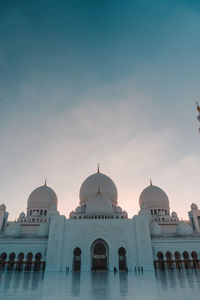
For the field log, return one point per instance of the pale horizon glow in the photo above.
(110, 83)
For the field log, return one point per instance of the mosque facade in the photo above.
(98, 235)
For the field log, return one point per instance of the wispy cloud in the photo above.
(116, 127)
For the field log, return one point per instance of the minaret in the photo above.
(3, 217)
(198, 109)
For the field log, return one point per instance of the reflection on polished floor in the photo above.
(184, 284)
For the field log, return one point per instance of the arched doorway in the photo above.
(178, 262)
(161, 263)
(186, 260)
(2, 261)
(37, 263)
(169, 260)
(195, 260)
(11, 261)
(19, 264)
(77, 259)
(122, 258)
(28, 263)
(99, 253)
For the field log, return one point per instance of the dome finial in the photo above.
(150, 181)
(45, 182)
(98, 191)
(198, 107)
(98, 169)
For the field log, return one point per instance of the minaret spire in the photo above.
(45, 182)
(98, 169)
(150, 181)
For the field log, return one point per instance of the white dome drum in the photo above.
(92, 183)
(42, 197)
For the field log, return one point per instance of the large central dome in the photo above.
(90, 187)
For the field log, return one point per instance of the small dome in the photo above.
(174, 214)
(155, 229)
(71, 215)
(194, 206)
(124, 214)
(92, 183)
(43, 229)
(154, 197)
(118, 209)
(183, 228)
(78, 210)
(42, 197)
(99, 204)
(13, 229)
(2, 207)
(22, 215)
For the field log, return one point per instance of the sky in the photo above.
(111, 82)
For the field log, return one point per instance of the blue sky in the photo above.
(110, 82)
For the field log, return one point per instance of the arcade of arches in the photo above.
(99, 260)
(177, 260)
(19, 262)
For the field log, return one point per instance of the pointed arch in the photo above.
(19, 263)
(2, 261)
(186, 261)
(11, 261)
(28, 264)
(178, 261)
(77, 259)
(99, 255)
(161, 263)
(122, 259)
(37, 263)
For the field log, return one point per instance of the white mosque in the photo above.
(98, 235)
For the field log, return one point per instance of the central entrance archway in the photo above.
(99, 252)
